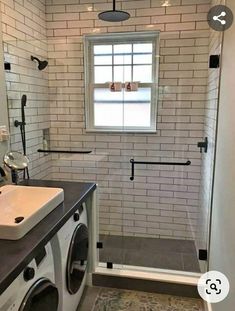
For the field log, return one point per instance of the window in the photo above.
(121, 81)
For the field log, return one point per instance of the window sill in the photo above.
(121, 131)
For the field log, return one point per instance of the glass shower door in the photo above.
(160, 198)
(150, 213)
(111, 196)
(131, 69)
(163, 211)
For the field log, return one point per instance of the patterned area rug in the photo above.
(126, 300)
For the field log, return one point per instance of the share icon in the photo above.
(220, 18)
(217, 18)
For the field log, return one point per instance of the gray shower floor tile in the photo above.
(148, 252)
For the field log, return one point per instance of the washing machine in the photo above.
(34, 289)
(70, 248)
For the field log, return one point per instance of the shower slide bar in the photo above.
(133, 162)
(64, 151)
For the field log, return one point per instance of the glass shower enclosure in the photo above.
(154, 209)
(154, 184)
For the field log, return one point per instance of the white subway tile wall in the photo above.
(163, 201)
(24, 34)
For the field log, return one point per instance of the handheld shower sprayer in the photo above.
(22, 124)
(23, 105)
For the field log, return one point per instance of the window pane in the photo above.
(103, 74)
(122, 48)
(142, 73)
(122, 59)
(122, 73)
(137, 115)
(108, 114)
(103, 60)
(143, 94)
(107, 95)
(116, 60)
(143, 48)
(142, 59)
(102, 49)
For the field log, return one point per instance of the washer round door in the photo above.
(43, 295)
(77, 259)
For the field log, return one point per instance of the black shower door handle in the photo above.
(133, 162)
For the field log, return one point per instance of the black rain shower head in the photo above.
(41, 64)
(114, 15)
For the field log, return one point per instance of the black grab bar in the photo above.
(64, 151)
(133, 162)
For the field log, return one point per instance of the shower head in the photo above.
(41, 64)
(114, 15)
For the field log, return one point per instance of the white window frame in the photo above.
(119, 38)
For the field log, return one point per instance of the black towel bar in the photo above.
(64, 151)
(133, 162)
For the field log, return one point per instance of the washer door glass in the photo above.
(43, 296)
(77, 258)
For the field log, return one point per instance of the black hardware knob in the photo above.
(76, 217)
(29, 274)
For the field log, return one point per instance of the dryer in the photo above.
(34, 289)
(70, 248)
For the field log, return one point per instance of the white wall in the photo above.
(222, 250)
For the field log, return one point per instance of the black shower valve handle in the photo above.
(203, 145)
(18, 123)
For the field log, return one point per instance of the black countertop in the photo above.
(15, 255)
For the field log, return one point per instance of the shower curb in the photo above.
(152, 286)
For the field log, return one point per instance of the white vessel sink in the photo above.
(23, 207)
